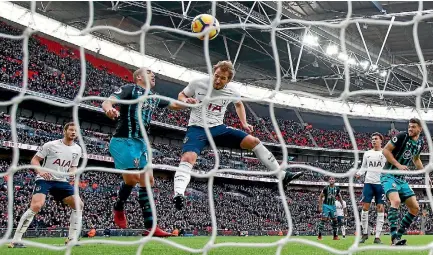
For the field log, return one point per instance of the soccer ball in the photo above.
(202, 21)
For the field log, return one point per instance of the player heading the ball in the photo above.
(128, 147)
(400, 150)
(372, 160)
(61, 156)
(196, 139)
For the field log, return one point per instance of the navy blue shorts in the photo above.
(59, 190)
(196, 139)
(373, 190)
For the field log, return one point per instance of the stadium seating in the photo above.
(54, 69)
(238, 206)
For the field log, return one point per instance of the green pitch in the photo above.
(159, 248)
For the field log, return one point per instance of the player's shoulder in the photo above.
(77, 147)
(52, 143)
(124, 88)
(200, 82)
(231, 87)
(400, 136)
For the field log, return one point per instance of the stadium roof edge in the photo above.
(56, 29)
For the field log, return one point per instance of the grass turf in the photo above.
(160, 248)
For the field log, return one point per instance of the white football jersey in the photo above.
(340, 207)
(59, 157)
(372, 160)
(215, 109)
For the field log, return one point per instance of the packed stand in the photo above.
(238, 207)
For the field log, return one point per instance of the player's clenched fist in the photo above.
(112, 113)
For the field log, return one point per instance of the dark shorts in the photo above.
(196, 139)
(340, 220)
(373, 190)
(59, 190)
(128, 153)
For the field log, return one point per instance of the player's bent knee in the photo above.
(380, 208)
(366, 206)
(249, 142)
(189, 157)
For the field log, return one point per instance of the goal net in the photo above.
(273, 26)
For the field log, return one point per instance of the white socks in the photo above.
(343, 230)
(74, 222)
(364, 222)
(181, 179)
(25, 221)
(266, 157)
(379, 223)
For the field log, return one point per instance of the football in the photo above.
(201, 22)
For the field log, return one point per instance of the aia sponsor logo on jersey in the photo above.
(375, 164)
(62, 163)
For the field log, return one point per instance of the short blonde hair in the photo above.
(225, 66)
(138, 72)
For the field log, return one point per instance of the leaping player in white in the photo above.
(341, 215)
(373, 159)
(196, 139)
(62, 156)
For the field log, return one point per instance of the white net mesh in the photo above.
(345, 95)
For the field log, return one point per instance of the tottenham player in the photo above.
(62, 156)
(327, 207)
(196, 139)
(127, 146)
(341, 209)
(372, 160)
(403, 148)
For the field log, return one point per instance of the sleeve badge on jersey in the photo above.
(394, 139)
(74, 155)
(185, 139)
(118, 91)
(394, 185)
(38, 188)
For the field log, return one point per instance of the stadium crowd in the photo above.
(238, 207)
(54, 69)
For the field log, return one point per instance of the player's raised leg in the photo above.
(264, 155)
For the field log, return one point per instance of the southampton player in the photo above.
(128, 147)
(372, 160)
(327, 207)
(402, 149)
(341, 209)
(196, 139)
(62, 156)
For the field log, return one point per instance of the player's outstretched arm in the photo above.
(183, 97)
(387, 152)
(240, 111)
